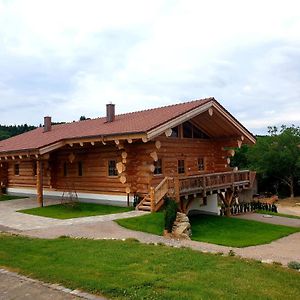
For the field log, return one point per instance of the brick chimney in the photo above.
(110, 112)
(47, 124)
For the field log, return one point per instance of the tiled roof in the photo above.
(135, 122)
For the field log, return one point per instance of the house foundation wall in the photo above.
(210, 208)
(120, 200)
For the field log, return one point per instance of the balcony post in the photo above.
(177, 189)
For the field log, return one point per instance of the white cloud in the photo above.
(69, 58)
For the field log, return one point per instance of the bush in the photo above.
(170, 213)
(294, 265)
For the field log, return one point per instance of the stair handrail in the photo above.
(161, 190)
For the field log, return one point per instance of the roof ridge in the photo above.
(165, 106)
(138, 111)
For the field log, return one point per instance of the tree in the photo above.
(278, 155)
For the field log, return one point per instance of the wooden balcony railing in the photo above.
(212, 182)
(187, 185)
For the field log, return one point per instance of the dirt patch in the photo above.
(289, 206)
(290, 202)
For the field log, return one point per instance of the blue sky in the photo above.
(69, 58)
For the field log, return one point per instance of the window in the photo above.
(112, 169)
(34, 166)
(80, 168)
(201, 164)
(158, 167)
(181, 169)
(17, 169)
(198, 134)
(65, 169)
(187, 129)
(175, 132)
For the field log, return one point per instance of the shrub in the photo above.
(231, 253)
(294, 265)
(170, 213)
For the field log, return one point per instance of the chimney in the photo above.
(110, 112)
(47, 124)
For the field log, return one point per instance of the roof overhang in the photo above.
(213, 104)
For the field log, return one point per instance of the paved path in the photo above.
(289, 210)
(17, 287)
(270, 219)
(9, 216)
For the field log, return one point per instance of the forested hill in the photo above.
(12, 130)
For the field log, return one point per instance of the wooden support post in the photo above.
(152, 199)
(1, 178)
(39, 182)
(176, 188)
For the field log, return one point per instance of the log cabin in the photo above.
(180, 150)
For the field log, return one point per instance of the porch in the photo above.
(189, 187)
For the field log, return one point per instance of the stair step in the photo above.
(147, 208)
(147, 203)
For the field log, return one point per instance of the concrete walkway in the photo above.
(103, 227)
(18, 287)
(9, 216)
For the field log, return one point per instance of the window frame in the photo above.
(158, 167)
(180, 171)
(34, 168)
(203, 164)
(80, 168)
(17, 169)
(65, 169)
(115, 171)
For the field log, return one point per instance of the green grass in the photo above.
(276, 214)
(151, 223)
(216, 230)
(10, 197)
(236, 232)
(130, 270)
(60, 211)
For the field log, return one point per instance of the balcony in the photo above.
(212, 183)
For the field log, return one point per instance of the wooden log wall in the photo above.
(94, 161)
(27, 177)
(3, 175)
(142, 156)
(137, 160)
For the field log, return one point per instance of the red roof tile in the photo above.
(135, 122)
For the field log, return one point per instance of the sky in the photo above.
(68, 59)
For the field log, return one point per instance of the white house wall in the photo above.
(82, 197)
(210, 208)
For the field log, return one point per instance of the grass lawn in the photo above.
(10, 197)
(131, 270)
(60, 211)
(276, 214)
(217, 230)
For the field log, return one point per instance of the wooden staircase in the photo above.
(145, 204)
(153, 201)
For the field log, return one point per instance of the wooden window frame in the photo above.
(161, 167)
(179, 167)
(65, 169)
(17, 169)
(203, 164)
(34, 168)
(80, 168)
(115, 172)
(178, 132)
